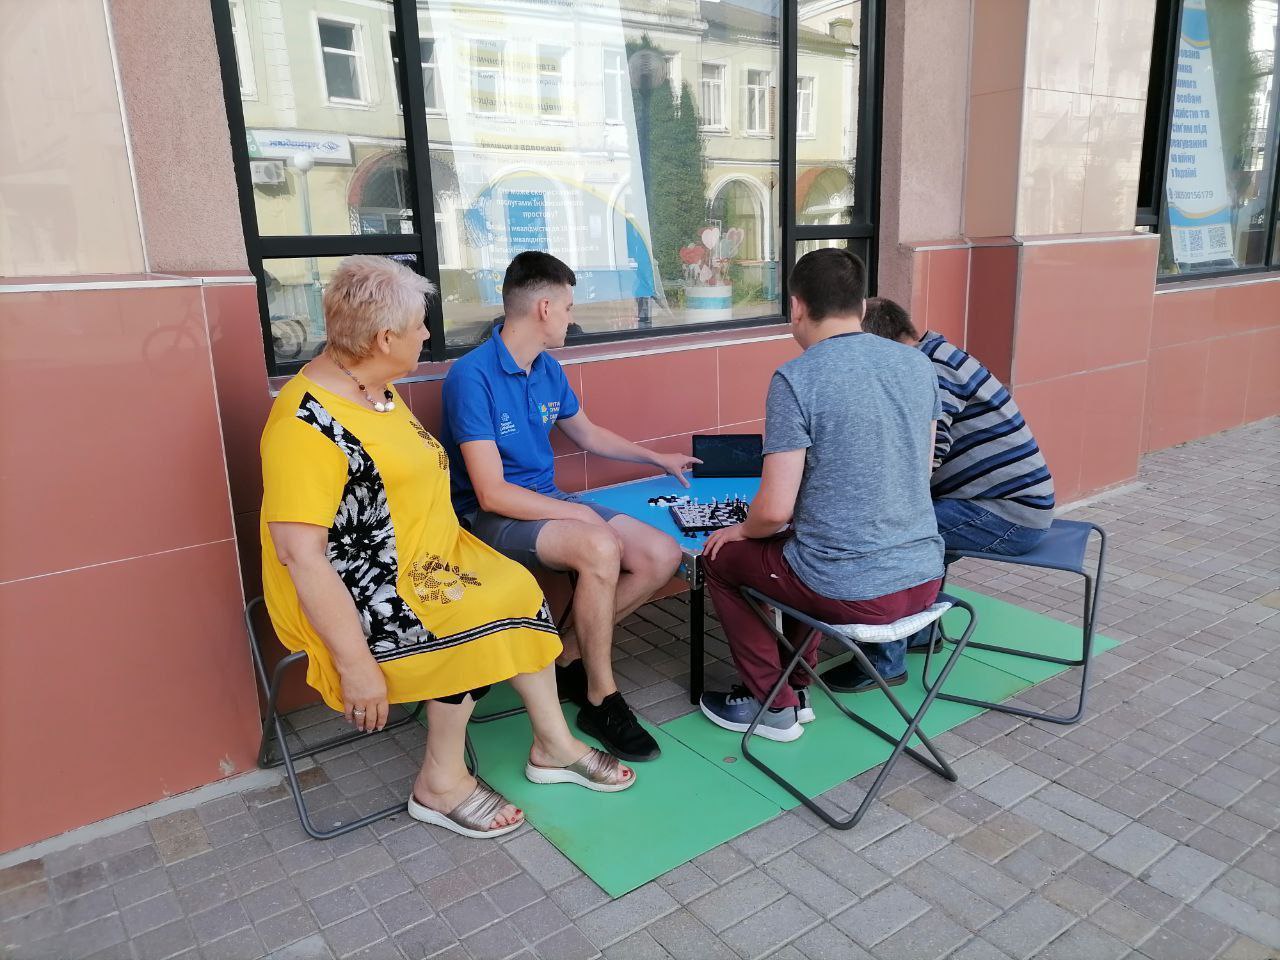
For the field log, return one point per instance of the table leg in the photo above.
(696, 655)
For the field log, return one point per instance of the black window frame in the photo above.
(1155, 146)
(860, 234)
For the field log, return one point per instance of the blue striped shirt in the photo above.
(985, 451)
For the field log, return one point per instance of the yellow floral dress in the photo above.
(442, 612)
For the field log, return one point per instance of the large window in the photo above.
(679, 171)
(759, 84)
(1209, 179)
(711, 96)
(342, 59)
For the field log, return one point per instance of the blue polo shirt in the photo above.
(488, 397)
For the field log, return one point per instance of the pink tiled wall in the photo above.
(1105, 365)
(1080, 356)
(124, 668)
(1215, 360)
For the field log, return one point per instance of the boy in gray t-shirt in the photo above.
(848, 450)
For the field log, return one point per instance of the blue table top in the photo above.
(632, 498)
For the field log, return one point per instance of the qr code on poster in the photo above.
(1194, 241)
(1218, 239)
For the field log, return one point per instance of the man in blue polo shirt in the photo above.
(500, 402)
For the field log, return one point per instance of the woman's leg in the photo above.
(443, 782)
(553, 744)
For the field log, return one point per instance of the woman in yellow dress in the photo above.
(366, 568)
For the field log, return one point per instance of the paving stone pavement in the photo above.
(1150, 830)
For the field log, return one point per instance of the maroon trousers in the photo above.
(758, 655)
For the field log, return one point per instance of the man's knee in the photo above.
(659, 558)
(597, 552)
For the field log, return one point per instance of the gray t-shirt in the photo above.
(860, 406)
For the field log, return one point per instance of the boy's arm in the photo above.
(603, 442)
(775, 503)
(496, 495)
(771, 508)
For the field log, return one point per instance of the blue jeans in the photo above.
(963, 525)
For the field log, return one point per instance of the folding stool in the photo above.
(1063, 548)
(850, 635)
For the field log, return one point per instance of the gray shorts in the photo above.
(518, 539)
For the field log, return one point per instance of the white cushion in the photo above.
(889, 632)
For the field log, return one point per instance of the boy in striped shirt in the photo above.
(991, 488)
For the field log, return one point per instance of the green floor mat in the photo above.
(1012, 626)
(702, 793)
(834, 748)
(680, 807)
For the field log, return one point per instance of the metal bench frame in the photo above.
(275, 750)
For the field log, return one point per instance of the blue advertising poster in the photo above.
(526, 221)
(1200, 206)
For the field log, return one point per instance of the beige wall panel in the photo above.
(67, 203)
(1122, 58)
(991, 174)
(1060, 43)
(1055, 144)
(1112, 165)
(999, 45)
(181, 144)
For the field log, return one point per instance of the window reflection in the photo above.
(827, 94)
(295, 295)
(645, 158)
(1221, 147)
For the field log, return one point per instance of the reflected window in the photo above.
(343, 61)
(380, 195)
(804, 106)
(711, 96)
(1216, 213)
(427, 60)
(486, 76)
(669, 200)
(295, 303)
(672, 61)
(824, 195)
(829, 58)
(616, 85)
(737, 207)
(244, 52)
(551, 80)
(758, 101)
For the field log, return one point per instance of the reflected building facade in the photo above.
(536, 142)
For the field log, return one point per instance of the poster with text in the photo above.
(1200, 206)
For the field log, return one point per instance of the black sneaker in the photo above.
(571, 683)
(924, 646)
(848, 677)
(618, 730)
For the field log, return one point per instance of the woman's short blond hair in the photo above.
(368, 294)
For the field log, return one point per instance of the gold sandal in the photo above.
(471, 817)
(595, 770)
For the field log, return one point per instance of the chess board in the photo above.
(695, 518)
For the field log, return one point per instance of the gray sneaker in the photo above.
(736, 709)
